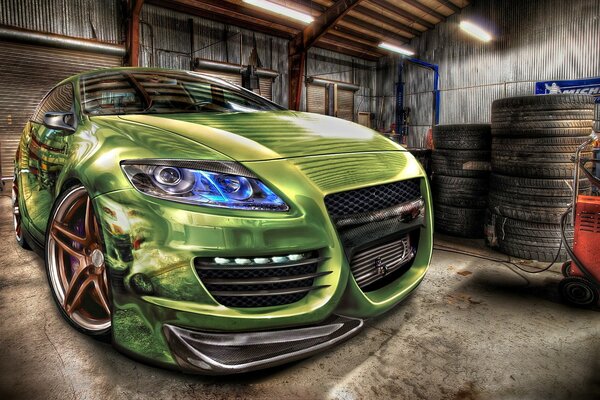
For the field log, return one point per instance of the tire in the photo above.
(512, 228)
(538, 103)
(460, 192)
(520, 121)
(578, 291)
(548, 215)
(533, 169)
(564, 115)
(527, 200)
(535, 187)
(80, 289)
(538, 250)
(536, 133)
(462, 137)
(463, 222)
(540, 144)
(526, 240)
(17, 222)
(534, 157)
(462, 163)
(524, 115)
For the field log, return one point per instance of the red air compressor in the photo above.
(581, 285)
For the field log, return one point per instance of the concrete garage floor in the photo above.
(475, 329)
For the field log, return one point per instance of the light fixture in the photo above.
(396, 49)
(278, 9)
(475, 30)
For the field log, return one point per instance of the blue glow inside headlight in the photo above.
(201, 187)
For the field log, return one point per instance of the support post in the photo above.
(303, 41)
(135, 8)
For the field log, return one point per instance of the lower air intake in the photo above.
(382, 261)
(246, 282)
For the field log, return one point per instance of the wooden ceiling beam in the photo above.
(376, 29)
(333, 36)
(397, 10)
(367, 12)
(425, 9)
(373, 14)
(356, 34)
(222, 12)
(450, 5)
(332, 46)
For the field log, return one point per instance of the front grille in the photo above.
(375, 263)
(260, 285)
(370, 222)
(372, 198)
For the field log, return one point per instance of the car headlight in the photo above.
(205, 183)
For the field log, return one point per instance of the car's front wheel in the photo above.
(75, 263)
(17, 216)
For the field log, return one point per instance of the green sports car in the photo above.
(202, 227)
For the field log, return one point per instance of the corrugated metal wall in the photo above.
(534, 40)
(170, 32)
(325, 64)
(89, 19)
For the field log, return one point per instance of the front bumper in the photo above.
(228, 353)
(161, 239)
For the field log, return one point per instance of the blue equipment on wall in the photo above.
(401, 116)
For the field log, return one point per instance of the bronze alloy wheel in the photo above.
(75, 263)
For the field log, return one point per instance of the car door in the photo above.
(46, 153)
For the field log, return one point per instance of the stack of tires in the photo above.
(461, 167)
(533, 141)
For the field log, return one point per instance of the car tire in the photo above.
(459, 191)
(17, 221)
(462, 163)
(526, 213)
(517, 186)
(459, 221)
(552, 144)
(462, 137)
(75, 267)
(537, 104)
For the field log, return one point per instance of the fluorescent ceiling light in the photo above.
(396, 49)
(476, 31)
(278, 9)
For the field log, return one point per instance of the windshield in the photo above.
(151, 92)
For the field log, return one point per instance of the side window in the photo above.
(59, 99)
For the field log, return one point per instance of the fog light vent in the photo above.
(260, 281)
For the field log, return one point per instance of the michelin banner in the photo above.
(589, 86)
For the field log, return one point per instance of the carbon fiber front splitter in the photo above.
(229, 353)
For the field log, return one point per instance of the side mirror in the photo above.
(62, 121)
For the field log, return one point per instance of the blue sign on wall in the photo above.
(579, 86)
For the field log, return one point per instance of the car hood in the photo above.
(257, 136)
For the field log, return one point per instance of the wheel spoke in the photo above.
(62, 228)
(72, 284)
(98, 285)
(89, 219)
(96, 229)
(71, 306)
(69, 249)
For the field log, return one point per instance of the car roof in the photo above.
(100, 71)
